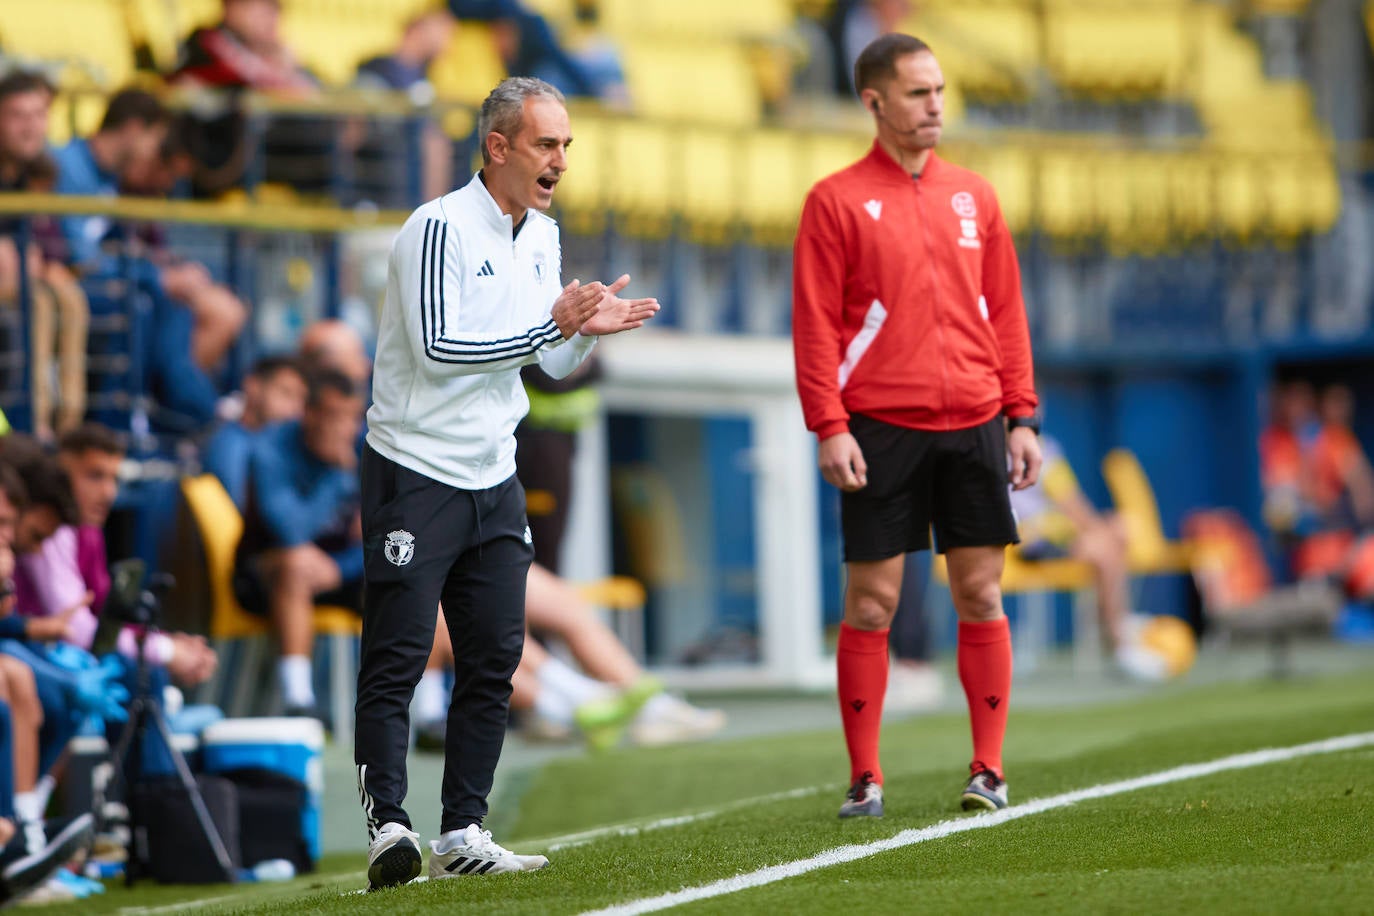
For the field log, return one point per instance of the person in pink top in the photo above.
(68, 574)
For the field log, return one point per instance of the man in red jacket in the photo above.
(914, 369)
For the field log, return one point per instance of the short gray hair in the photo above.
(505, 106)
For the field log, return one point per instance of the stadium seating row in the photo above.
(721, 182)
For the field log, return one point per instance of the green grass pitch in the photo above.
(1294, 836)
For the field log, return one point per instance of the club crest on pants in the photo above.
(400, 547)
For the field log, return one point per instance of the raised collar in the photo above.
(881, 162)
(487, 205)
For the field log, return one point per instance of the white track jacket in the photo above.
(465, 308)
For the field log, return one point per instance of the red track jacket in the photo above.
(907, 301)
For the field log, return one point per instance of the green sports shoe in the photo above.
(603, 721)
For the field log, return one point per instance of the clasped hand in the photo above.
(596, 310)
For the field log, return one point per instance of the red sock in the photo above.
(985, 671)
(861, 658)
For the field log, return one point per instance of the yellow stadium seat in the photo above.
(1149, 551)
(1239, 195)
(584, 188)
(645, 187)
(1189, 177)
(702, 82)
(632, 19)
(985, 49)
(1064, 203)
(332, 46)
(89, 37)
(773, 181)
(1007, 168)
(220, 526)
(710, 182)
(469, 68)
(1137, 49)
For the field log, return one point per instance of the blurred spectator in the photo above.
(854, 25)
(1342, 488)
(68, 578)
(245, 50)
(545, 444)
(387, 151)
(58, 311)
(528, 46)
(332, 343)
(302, 537)
(219, 314)
(610, 695)
(1284, 468)
(133, 129)
(1055, 520)
(131, 148)
(273, 392)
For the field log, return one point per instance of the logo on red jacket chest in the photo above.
(967, 210)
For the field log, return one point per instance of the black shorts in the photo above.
(955, 481)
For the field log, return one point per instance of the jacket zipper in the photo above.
(937, 312)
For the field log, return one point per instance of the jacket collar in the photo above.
(879, 160)
(487, 205)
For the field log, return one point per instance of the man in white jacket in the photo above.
(473, 294)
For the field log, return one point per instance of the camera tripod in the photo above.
(130, 602)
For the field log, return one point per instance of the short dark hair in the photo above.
(91, 437)
(18, 82)
(43, 478)
(132, 105)
(877, 63)
(12, 486)
(321, 381)
(267, 367)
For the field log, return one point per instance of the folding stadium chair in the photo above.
(220, 526)
(1149, 551)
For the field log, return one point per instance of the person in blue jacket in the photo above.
(302, 538)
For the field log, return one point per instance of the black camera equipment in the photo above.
(139, 602)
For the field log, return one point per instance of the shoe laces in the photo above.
(980, 770)
(859, 791)
(480, 842)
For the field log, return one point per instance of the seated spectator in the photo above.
(128, 149)
(218, 311)
(386, 150)
(528, 46)
(68, 577)
(1342, 485)
(58, 311)
(1054, 520)
(133, 130)
(273, 392)
(334, 344)
(302, 538)
(611, 695)
(245, 50)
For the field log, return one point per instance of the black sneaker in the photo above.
(864, 798)
(986, 791)
(22, 870)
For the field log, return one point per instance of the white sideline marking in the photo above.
(175, 907)
(573, 840)
(842, 854)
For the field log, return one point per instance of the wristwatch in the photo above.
(1031, 422)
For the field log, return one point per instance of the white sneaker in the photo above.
(667, 719)
(476, 853)
(393, 857)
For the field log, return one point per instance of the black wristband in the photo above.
(1031, 422)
